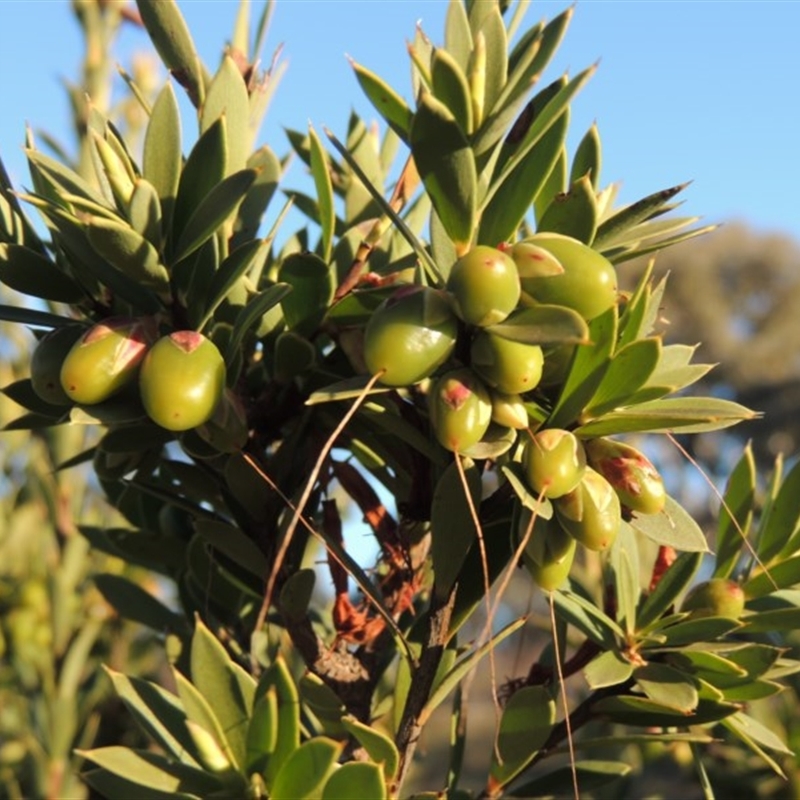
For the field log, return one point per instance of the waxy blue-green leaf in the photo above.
(446, 164)
(573, 213)
(305, 771)
(320, 172)
(452, 527)
(387, 102)
(170, 35)
(29, 272)
(449, 85)
(629, 369)
(673, 527)
(779, 531)
(502, 216)
(668, 686)
(129, 252)
(491, 27)
(163, 156)
(588, 158)
(356, 781)
(227, 98)
(205, 167)
(672, 583)
(66, 180)
(528, 719)
(213, 210)
(682, 414)
(735, 514)
(457, 34)
(150, 772)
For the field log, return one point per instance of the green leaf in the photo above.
(735, 514)
(311, 280)
(667, 686)
(587, 159)
(629, 369)
(158, 713)
(588, 618)
(320, 172)
(750, 729)
(268, 172)
(279, 677)
(592, 775)
(502, 216)
(170, 35)
(251, 315)
(152, 771)
(22, 393)
(205, 167)
(129, 252)
(779, 619)
(702, 629)
(452, 527)
(144, 212)
(641, 711)
(213, 210)
(262, 732)
(346, 389)
(607, 669)
(543, 324)
(296, 594)
(625, 567)
(36, 319)
(682, 414)
(677, 577)
(528, 718)
(111, 785)
(446, 164)
(66, 180)
(227, 98)
(573, 213)
(673, 527)
(778, 576)
(221, 682)
(163, 159)
(779, 530)
(449, 85)
(386, 101)
(457, 34)
(236, 545)
(27, 271)
(356, 781)
(138, 605)
(380, 748)
(306, 770)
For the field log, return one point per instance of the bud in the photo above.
(104, 359)
(634, 478)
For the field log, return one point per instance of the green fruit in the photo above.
(549, 553)
(509, 411)
(634, 478)
(409, 335)
(587, 284)
(46, 363)
(718, 597)
(508, 366)
(104, 360)
(460, 409)
(485, 286)
(181, 380)
(591, 512)
(554, 462)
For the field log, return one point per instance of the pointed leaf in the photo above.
(380, 748)
(32, 317)
(288, 737)
(592, 775)
(587, 158)
(386, 101)
(27, 271)
(311, 280)
(262, 732)
(673, 527)
(732, 530)
(163, 160)
(356, 781)
(320, 172)
(251, 314)
(632, 710)
(607, 669)
(227, 98)
(138, 605)
(667, 686)
(573, 213)
(452, 528)
(588, 618)
(446, 165)
(306, 770)
(672, 583)
(449, 84)
(781, 526)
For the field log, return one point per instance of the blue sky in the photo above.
(701, 91)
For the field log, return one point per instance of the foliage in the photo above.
(346, 364)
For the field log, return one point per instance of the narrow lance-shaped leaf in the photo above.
(573, 213)
(162, 160)
(322, 181)
(735, 514)
(386, 101)
(227, 99)
(588, 158)
(29, 272)
(446, 165)
(780, 527)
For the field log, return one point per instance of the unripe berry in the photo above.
(409, 335)
(485, 286)
(718, 597)
(104, 360)
(591, 512)
(181, 380)
(460, 409)
(549, 553)
(509, 366)
(554, 462)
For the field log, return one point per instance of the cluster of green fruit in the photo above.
(419, 329)
(592, 485)
(181, 376)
